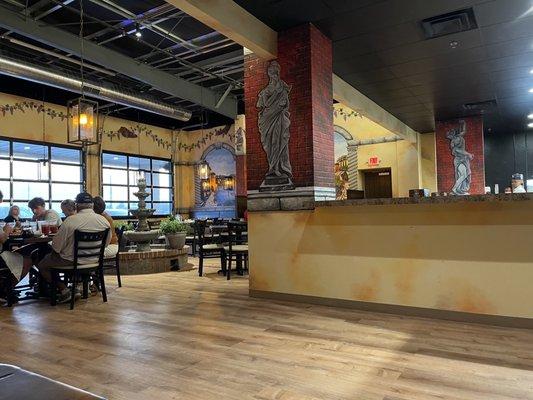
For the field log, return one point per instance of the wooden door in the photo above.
(378, 184)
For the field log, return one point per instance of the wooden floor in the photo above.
(178, 336)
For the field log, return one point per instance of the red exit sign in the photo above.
(373, 161)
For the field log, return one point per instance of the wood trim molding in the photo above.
(458, 316)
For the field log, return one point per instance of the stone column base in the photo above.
(302, 198)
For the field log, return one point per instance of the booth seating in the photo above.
(17, 383)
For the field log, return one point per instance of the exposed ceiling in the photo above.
(170, 42)
(380, 48)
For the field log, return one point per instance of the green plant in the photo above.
(171, 226)
(127, 226)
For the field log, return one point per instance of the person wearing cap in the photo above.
(63, 243)
(517, 183)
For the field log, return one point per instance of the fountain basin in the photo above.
(141, 239)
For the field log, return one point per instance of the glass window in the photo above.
(5, 171)
(39, 170)
(161, 179)
(114, 160)
(4, 148)
(5, 187)
(65, 155)
(120, 175)
(62, 191)
(30, 151)
(30, 170)
(163, 208)
(28, 190)
(114, 176)
(66, 173)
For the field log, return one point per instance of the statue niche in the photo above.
(461, 159)
(274, 122)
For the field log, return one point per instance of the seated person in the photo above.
(99, 208)
(68, 207)
(63, 243)
(13, 215)
(38, 206)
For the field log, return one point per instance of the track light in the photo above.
(138, 32)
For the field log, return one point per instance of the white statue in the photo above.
(461, 161)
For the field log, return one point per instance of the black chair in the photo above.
(87, 245)
(237, 248)
(114, 262)
(207, 250)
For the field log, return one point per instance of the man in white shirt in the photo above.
(85, 220)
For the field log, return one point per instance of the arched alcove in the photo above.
(215, 190)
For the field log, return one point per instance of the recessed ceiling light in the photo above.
(530, 116)
(138, 34)
(530, 125)
(454, 44)
(531, 90)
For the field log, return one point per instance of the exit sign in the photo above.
(373, 161)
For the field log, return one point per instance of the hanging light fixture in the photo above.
(82, 125)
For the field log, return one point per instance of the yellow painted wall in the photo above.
(428, 161)
(30, 125)
(401, 157)
(470, 257)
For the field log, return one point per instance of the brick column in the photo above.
(305, 58)
(473, 140)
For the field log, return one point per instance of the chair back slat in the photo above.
(89, 246)
(236, 232)
(199, 229)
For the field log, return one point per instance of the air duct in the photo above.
(39, 74)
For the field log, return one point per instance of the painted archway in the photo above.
(215, 189)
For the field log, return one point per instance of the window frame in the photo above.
(49, 181)
(132, 200)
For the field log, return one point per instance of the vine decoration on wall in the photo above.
(24, 106)
(123, 132)
(341, 112)
(207, 136)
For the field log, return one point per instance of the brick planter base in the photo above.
(150, 262)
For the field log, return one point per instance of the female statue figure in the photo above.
(274, 122)
(461, 161)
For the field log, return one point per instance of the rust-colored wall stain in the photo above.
(404, 283)
(468, 298)
(367, 290)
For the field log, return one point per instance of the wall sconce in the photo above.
(229, 183)
(203, 170)
(82, 121)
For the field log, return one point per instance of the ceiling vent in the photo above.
(481, 107)
(446, 24)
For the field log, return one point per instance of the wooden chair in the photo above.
(87, 245)
(114, 262)
(237, 248)
(207, 250)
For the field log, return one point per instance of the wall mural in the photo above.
(274, 121)
(461, 159)
(341, 166)
(216, 197)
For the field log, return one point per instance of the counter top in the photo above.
(428, 200)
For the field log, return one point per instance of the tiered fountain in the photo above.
(142, 236)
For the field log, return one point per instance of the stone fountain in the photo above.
(142, 236)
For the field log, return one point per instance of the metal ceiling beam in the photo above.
(102, 56)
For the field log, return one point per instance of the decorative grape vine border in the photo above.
(136, 130)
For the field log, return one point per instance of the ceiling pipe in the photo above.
(39, 74)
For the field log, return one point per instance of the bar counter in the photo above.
(456, 257)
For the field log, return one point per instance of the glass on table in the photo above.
(44, 227)
(53, 229)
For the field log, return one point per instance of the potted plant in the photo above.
(174, 231)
